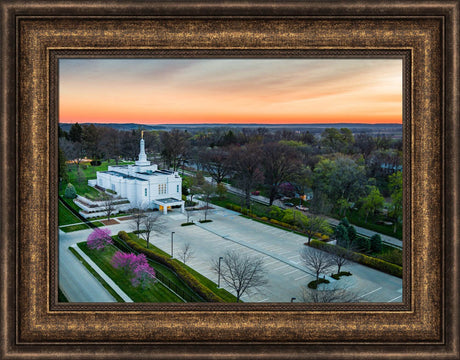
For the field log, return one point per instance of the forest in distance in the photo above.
(353, 172)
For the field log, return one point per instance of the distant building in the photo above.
(142, 184)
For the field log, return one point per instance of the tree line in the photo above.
(342, 170)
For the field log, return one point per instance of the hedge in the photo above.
(189, 279)
(374, 263)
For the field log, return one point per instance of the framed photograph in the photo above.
(68, 66)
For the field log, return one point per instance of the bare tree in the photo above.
(186, 252)
(138, 215)
(175, 147)
(340, 257)
(188, 213)
(148, 223)
(241, 272)
(208, 190)
(280, 163)
(245, 162)
(316, 260)
(216, 162)
(328, 296)
(109, 206)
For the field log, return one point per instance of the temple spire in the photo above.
(142, 156)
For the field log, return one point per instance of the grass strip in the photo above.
(76, 227)
(203, 280)
(66, 217)
(156, 293)
(97, 276)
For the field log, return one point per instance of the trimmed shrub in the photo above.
(314, 284)
(187, 224)
(70, 192)
(264, 218)
(375, 263)
(188, 278)
(363, 244)
(376, 243)
(205, 221)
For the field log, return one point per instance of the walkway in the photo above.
(102, 274)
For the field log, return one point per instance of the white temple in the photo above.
(142, 184)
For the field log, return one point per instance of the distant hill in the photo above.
(313, 128)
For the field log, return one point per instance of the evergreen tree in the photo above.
(70, 192)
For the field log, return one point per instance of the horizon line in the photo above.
(239, 124)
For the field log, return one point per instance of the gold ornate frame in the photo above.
(35, 35)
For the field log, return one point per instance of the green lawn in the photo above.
(71, 228)
(157, 293)
(66, 217)
(356, 219)
(224, 294)
(256, 208)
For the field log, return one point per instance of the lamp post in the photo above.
(218, 273)
(172, 244)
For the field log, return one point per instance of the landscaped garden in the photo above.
(103, 259)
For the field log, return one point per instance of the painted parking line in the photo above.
(285, 252)
(397, 297)
(290, 272)
(272, 262)
(370, 292)
(281, 267)
(301, 277)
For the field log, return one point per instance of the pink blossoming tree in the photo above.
(136, 266)
(144, 275)
(99, 239)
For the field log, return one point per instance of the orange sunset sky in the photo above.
(270, 91)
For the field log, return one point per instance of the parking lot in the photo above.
(279, 248)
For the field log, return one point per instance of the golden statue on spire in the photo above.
(142, 134)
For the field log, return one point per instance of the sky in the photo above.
(262, 91)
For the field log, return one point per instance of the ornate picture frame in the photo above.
(35, 35)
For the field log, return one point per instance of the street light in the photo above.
(292, 299)
(172, 242)
(218, 277)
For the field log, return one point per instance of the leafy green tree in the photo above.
(341, 179)
(363, 244)
(343, 206)
(338, 140)
(75, 133)
(312, 225)
(276, 212)
(341, 234)
(372, 202)
(376, 243)
(221, 190)
(70, 192)
(396, 190)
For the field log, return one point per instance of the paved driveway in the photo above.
(279, 249)
(229, 231)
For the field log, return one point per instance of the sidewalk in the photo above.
(102, 274)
